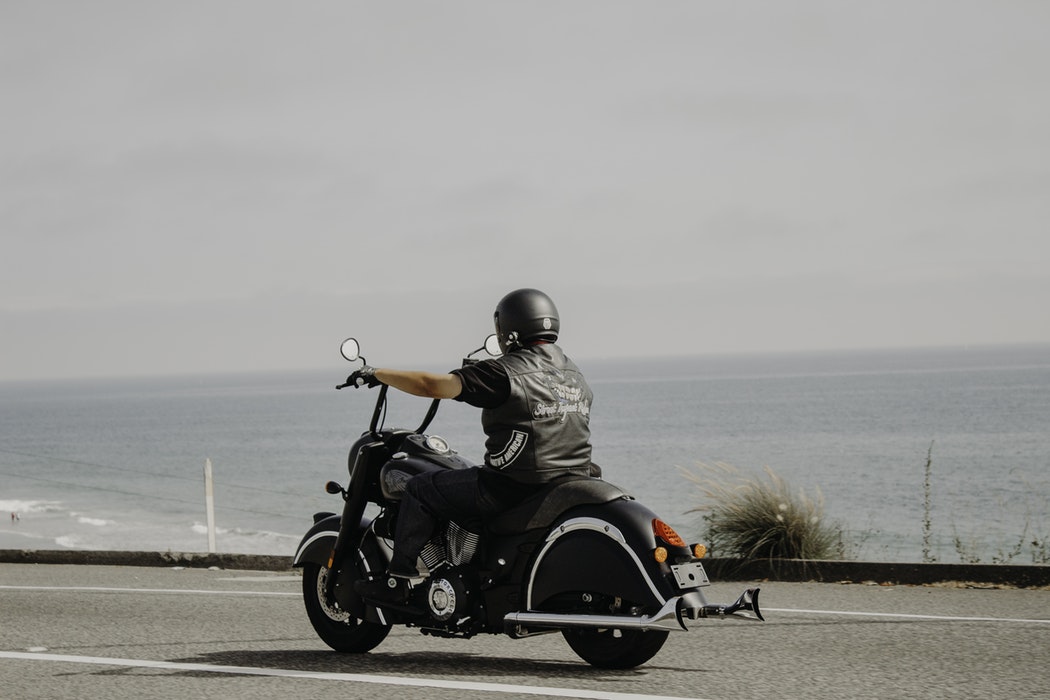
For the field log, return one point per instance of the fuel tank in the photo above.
(418, 454)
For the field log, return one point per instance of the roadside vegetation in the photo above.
(763, 517)
(749, 517)
(1029, 548)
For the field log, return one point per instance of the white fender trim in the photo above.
(594, 525)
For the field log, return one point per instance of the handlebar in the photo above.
(431, 412)
(380, 409)
(351, 350)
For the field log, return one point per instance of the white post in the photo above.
(209, 502)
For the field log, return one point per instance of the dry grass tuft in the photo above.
(750, 518)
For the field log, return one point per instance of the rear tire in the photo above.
(338, 628)
(610, 648)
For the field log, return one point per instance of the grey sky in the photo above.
(210, 186)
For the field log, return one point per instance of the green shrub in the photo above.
(748, 518)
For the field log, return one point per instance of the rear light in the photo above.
(666, 533)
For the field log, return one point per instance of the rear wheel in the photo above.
(607, 647)
(612, 648)
(338, 628)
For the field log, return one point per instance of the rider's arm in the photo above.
(426, 384)
(485, 384)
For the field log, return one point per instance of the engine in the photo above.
(449, 601)
(454, 547)
(447, 594)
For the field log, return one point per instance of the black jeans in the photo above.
(432, 498)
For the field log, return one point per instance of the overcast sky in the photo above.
(212, 186)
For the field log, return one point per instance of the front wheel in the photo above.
(612, 648)
(338, 628)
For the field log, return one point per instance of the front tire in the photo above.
(612, 648)
(338, 628)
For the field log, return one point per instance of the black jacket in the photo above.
(542, 431)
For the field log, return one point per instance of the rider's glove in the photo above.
(366, 376)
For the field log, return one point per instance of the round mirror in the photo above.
(492, 346)
(350, 349)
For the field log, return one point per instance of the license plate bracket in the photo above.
(690, 575)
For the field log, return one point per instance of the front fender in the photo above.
(366, 555)
(603, 549)
(316, 545)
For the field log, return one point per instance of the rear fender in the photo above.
(603, 549)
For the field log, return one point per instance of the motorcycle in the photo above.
(582, 557)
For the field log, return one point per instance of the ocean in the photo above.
(118, 464)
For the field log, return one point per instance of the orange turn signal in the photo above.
(660, 555)
(666, 533)
(699, 550)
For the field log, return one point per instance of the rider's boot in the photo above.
(390, 590)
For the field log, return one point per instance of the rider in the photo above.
(535, 413)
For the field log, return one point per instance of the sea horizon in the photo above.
(115, 463)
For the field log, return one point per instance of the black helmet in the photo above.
(525, 314)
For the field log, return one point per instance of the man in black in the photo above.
(535, 413)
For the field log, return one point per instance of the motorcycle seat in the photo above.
(542, 509)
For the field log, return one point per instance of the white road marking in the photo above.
(165, 591)
(948, 618)
(345, 677)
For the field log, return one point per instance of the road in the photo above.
(128, 632)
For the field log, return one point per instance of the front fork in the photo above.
(348, 540)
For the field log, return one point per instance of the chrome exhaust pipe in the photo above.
(522, 624)
(671, 617)
(746, 606)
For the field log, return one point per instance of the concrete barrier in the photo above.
(253, 562)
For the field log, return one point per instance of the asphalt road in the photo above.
(128, 632)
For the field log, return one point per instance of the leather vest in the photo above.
(542, 431)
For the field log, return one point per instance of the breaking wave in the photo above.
(30, 507)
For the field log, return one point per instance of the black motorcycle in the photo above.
(581, 557)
